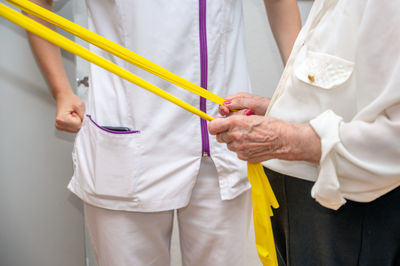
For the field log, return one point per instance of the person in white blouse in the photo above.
(331, 132)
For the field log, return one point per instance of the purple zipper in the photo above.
(203, 73)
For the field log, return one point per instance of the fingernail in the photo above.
(249, 112)
(223, 111)
(218, 117)
(227, 102)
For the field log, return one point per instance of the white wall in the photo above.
(264, 62)
(41, 222)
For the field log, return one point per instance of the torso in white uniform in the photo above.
(155, 169)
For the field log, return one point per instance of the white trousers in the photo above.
(212, 232)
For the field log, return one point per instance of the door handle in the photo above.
(84, 81)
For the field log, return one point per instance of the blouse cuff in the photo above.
(326, 189)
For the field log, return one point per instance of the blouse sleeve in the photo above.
(361, 158)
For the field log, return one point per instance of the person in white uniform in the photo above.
(137, 158)
(332, 133)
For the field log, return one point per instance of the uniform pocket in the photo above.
(109, 159)
(323, 70)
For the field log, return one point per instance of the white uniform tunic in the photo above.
(154, 166)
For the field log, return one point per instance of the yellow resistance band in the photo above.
(114, 49)
(261, 189)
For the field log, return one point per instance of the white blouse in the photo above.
(343, 77)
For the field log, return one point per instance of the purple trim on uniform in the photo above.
(203, 73)
(112, 131)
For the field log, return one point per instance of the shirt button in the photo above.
(311, 77)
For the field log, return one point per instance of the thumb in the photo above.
(218, 125)
(79, 109)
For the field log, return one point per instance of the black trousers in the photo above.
(307, 234)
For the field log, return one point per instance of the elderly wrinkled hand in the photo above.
(244, 104)
(259, 138)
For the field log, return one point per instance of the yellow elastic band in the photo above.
(114, 49)
(263, 200)
(59, 40)
(263, 196)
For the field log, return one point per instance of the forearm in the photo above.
(305, 144)
(49, 57)
(285, 22)
(259, 138)
(285, 141)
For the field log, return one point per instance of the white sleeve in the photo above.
(361, 158)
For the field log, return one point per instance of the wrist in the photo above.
(62, 94)
(303, 143)
(311, 144)
(267, 100)
(261, 106)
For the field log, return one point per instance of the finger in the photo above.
(242, 112)
(261, 155)
(220, 137)
(259, 159)
(65, 128)
(80, 110)
(223, 110)
(241, 156)
(231, 146)
(224, 137)
(249, 112)
(237, 104)
(68, 122)
(237, 95)
(219, 125)
(251, 159)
